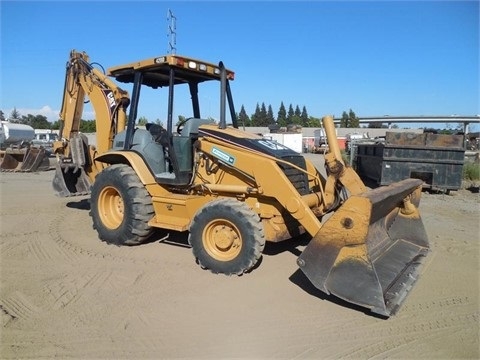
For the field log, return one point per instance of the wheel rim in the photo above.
(111, 207)
(222, 240)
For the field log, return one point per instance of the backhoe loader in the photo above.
(230, 189)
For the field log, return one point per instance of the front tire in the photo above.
(121, 207)
(227, 237)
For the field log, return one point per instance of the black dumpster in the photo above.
(436, 159)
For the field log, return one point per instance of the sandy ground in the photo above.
(65, 294)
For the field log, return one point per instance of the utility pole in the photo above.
(172, 32)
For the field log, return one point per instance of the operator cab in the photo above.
(170, 155)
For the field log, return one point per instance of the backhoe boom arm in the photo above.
(108, 100)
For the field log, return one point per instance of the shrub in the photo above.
(471, 171)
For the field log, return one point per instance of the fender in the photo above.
(130, 158)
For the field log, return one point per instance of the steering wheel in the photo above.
(181, 124)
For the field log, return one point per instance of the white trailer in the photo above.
(290, 140)
(321, 137)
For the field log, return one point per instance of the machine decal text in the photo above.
(223, 156)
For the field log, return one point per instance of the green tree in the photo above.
(256, 116)
(263, 115)
(36, 121)
(259, 118)
(349, 120)
(159, 122)
(297, 111)
(2, 116)
(314, 122)
(270, 117)
(304, 117)
(354, 121)
(142, 121)
(296, 117)
(243, 118)
(14, 116)
(56, 125)
(88, 126)
(282, 115)
(290, 114)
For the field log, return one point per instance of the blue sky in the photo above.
(375, 57)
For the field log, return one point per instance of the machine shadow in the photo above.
(299, 279)
(291, 245)
(170, 237)
(295, 247)
(83, 204)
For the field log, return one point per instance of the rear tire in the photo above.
(121, 207)
(227, 237)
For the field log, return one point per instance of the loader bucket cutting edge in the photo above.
(70, 181)
(370, 252)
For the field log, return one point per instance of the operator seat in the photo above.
(191, 127)
(156, 130)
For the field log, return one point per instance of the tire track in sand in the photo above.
(71, 288)
(18, 307)
(417, 323)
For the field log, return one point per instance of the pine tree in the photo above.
(349, 120)
(282, 115)
(297, 111)
(14, 116)
(296, 119)
(256, 116)
(304, 116)
(354, 121)
(344, 120)
(243, 118)
(290, 114)
(263, 115)
(270, 117)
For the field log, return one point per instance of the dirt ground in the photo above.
(65, 294)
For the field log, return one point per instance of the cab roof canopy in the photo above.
(156, 71)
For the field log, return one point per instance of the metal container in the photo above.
(436, 159)
(11, 133)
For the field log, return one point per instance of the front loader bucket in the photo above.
(70, 181)
(35, 159)
(25, 160)
(11, 161)
(371, 250)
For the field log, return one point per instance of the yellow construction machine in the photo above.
(230, 189)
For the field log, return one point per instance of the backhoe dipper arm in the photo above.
(108, 100)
